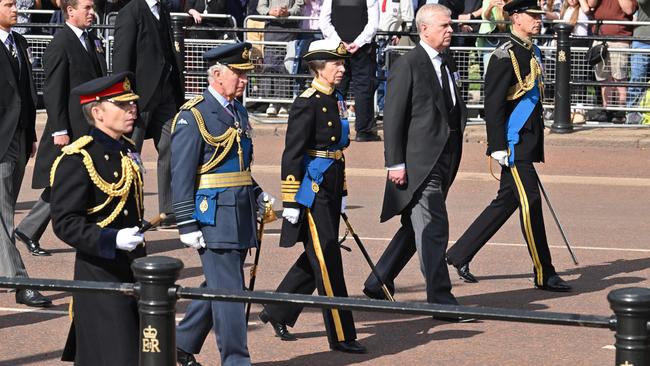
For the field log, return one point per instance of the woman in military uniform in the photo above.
(97, 209)
(313, 195)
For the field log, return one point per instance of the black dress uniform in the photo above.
(513, 115)
(96, 191)
(313, 180)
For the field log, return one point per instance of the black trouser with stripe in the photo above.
(320, 266)
(519, 188)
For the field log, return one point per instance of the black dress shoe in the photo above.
(377, 295)
(280, 330)
(465, 274)
(367, 136)
(185, 359)
(348, 347)
(555, 283)
(32, 245)
(454, 319)
(32, 298)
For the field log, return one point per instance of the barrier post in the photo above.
(562, 119)
(178, 35)
(632, 309)
(155, 285)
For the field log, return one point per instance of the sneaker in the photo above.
(633, 118)
(283, 110)
(618, 117)
(271, 111)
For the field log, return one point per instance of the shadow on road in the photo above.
(386, 338)
(37, 358)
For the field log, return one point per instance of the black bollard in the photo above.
(178, 34)
(156, 289)
(632, 309)
(562, 119)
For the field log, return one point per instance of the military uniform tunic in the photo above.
(106, 327)
(213, 191)
(513, 72)
(315, 130)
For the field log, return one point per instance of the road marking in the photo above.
(515, 245)
(609, 346)
(464, 176)
(38, 311)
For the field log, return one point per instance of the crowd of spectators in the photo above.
(397, 16)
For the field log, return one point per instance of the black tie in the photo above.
(445, 85)
(90, 48)
(233, 111)
(88, 42)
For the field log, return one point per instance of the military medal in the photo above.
(135, 156)
(343, 109)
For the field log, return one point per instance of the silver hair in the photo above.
(87, 110)
(426, 14)
(216, 67)
(315, 66)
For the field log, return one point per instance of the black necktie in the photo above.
(445, 85)
(15, 62)
(233, 111)
(88, 42)
(90, 48)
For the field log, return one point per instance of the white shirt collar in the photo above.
(4, 35)
(151, 3)
(78, 32)
(220, 98)
(430, 51)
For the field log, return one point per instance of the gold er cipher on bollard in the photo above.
(269, 216)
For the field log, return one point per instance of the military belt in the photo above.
(224, 180)
(327, 154)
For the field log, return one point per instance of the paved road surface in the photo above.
(601, 193)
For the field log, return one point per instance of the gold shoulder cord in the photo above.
(121, 189)
(222, 144)
(522, 87)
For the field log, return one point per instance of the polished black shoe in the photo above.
(348, 347)
(32, 245)
(32, 298)
(556, 284)
(185, 359)
(465, 274)
(280, 330)
(454, 319)
(377, 295)
(367, 137)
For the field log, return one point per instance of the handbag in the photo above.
(597, 53)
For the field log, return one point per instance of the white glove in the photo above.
(262, 200)
(343, 204)
(129, 238)
(193, 239)
(501, 157)
(291, 214)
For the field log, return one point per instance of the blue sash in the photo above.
(316, 167)
(521, 113)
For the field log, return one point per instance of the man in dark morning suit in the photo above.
(18, 142)
(73, 57)
(514, 92)
(423, 146)
(144, 46)
(216, 201)
(97, 208)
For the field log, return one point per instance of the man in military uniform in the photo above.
(215, 201)
(97, 209)
(515, 129)
(313, 196)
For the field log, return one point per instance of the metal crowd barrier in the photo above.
(273, 83)
(157, 293)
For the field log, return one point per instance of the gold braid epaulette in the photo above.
(222, 143)
(121, 189)
(522, 87)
